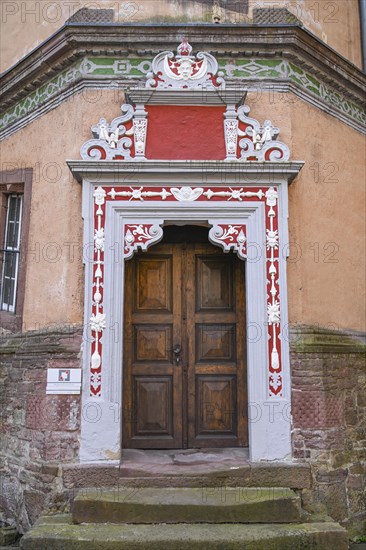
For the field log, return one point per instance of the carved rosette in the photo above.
(229, 237)
(140, 236)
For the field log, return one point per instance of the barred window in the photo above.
(11, 252)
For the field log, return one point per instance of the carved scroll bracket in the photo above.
(141, 235)
(229, 236)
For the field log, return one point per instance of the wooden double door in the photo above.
(184, 382)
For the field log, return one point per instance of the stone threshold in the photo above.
(187, 468)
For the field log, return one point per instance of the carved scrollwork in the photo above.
(140, 236)
(184, 70)
(229, 236)
(110, 140)
(259, 142)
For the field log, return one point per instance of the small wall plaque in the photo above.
(63, 381)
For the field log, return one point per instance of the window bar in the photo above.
(11, 254)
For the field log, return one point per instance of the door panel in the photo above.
(153, 420)
(152, 393)
(214, 284)
(217, 409)
(153, 291)
(192, 295)
(215, 343)
(216, 405)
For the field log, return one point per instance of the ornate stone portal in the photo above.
(235, 181)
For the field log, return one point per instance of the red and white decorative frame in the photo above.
(249, 219)
(230, 236)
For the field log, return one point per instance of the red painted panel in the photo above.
(185, 133)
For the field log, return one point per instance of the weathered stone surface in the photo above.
(188, 505)
(63, 536)
(295, 476)
(40, 434)
(8, 535)
(328, 389)
(38, 431)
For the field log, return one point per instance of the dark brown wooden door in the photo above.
(184, 349)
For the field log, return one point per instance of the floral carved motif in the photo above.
(140, 236)
(229, 237)
(97, 320)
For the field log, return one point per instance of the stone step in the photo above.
(188, 505)
(55, 533)
(295, 476)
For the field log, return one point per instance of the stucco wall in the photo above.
(54, 284)
(326, 205)
(326, 266)
(27, 23)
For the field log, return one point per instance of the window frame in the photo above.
(17, 181)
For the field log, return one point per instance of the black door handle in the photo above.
(177, 351)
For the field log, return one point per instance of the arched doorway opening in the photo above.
(184, 369)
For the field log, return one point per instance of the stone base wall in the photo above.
(329, 420)
(39, 433)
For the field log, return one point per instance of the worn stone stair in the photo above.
(188, 505)
(212, 518)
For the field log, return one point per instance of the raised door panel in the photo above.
(215, 343)
(216, 406)
(214, 284)
(153, 401)
(153, 343)
(153, 288)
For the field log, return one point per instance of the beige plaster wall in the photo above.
(54, 284)
(327, 201)
(327, 206)
(26, 23)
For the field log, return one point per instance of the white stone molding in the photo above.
(183, 70)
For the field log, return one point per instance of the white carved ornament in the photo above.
(113, 141)
(141, 236)
(259, 142)
(125, 138)
(229, 236)
(185, 71)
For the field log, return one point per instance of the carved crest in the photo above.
(184, 70)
